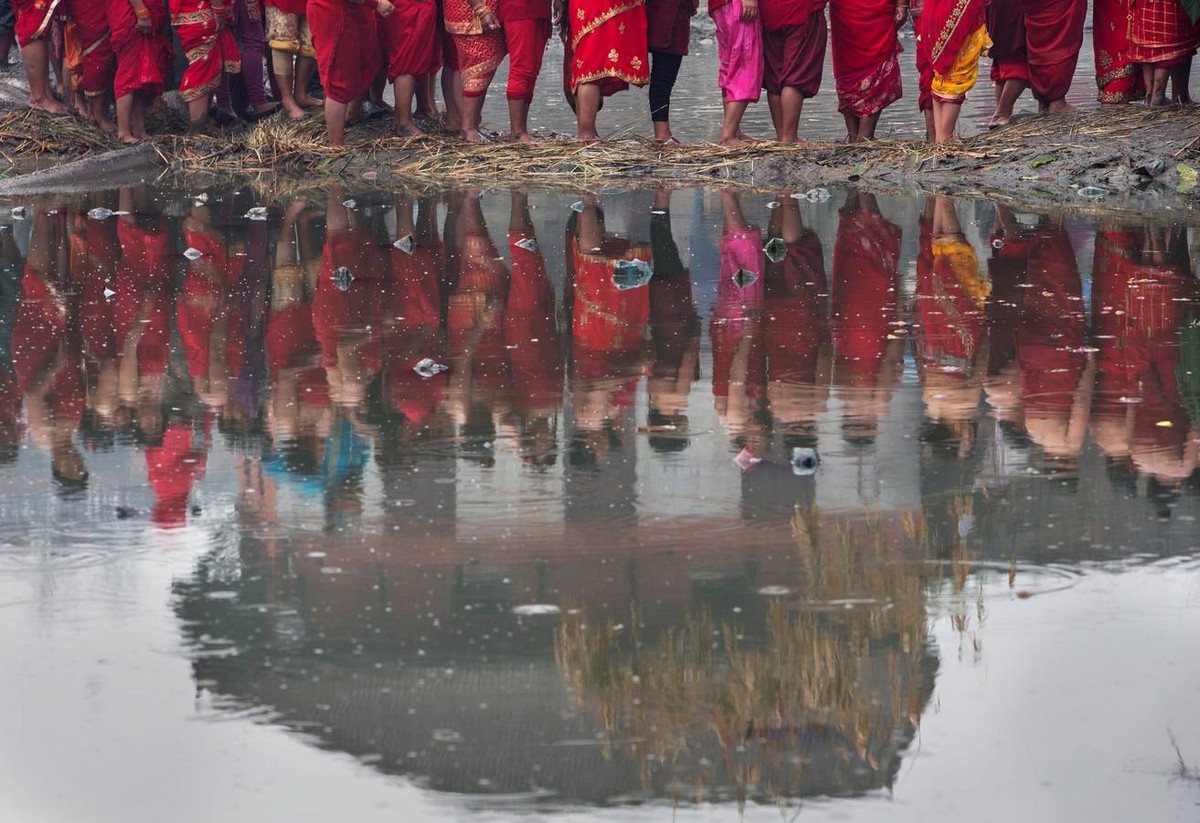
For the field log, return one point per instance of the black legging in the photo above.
(664, 68)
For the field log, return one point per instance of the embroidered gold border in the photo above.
(633, 80)
(947, 30)
(47, 20)
(596, 23)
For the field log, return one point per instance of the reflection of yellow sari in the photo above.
(960, 78)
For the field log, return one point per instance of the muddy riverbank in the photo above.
(1128, 160)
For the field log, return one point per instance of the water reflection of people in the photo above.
(1056, 369)
(950, 321)
(1143, 290)
(674, 335)
(867, 343)
(736, 329)
(533, 341)
(608, 329)
(47, 349)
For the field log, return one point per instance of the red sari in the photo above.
(346, 39)
(410, 39)
(609, 44)
(210, 52)
(34, 18)
(866, 261)
(1054, 35)
(1117, 76)
(99, 62)
(142, 60)
(480, 52)
(866, 55)
(1160, 32)
(1006, 27)
(946, 25)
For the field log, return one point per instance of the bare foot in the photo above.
(107, 126)
(589, 137)
(473, 136)
(128, 139)
(294, 111)
(306, 102)
(48, 104)
(733, 142)
(410, 131)
(997, 121)
(524, 137)
(1060, 107)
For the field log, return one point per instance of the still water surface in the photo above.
(860, 508)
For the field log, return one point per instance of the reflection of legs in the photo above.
(587, 106)
(731, 208)
(945, 218)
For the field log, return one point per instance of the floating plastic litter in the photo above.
(631, 274)
(775, 249)
(527, 243)
(342, 278)
(192, 253)
(427, 367)
(744, 277)
(405, 244)
(805, 461)
(100, 213)
(257, 213)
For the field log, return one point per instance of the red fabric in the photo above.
(782, 14)
(526, 48)
(290, 336)
(531, 331)
(289, 6)
(142, 60)
(140, 303)
(511, 10)
(1006, 27)
(338, 315)
(99, 62)
(95, 319)
(1053, 326)
(609, 324)
(1118, 78)
(34, 19)
(479, 56)
(1054, 35)
(866, 55)
(410, 38)
(1160, 32)
(866, 259)
(482, 283)
(346, 40)
(602, 30)
(794, 55)
(38, 335)
(669, 24)
(173, 468)
(924, 65)
(950, 322)
(796, 300)
(210, 53)
(946, 24)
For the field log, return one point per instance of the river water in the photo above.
(726, 506)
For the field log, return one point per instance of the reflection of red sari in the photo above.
(866, 55)
(95, 320)
(140, 303)
(796, 302)
(608, 44)
(346, 40)
(414, 315)
(355, 313)
(203, 305)
(210, 53)
(142, 60)
(531, 332)
(866, 259)
(1117, 76)
(609, 324)
(173, 468)
(39, 332)
(1140, 309)
(474, 310)
(34, 18)
(1054, 34)
(1053, 326)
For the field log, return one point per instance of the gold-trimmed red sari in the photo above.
(210, 53)
(609, 44)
